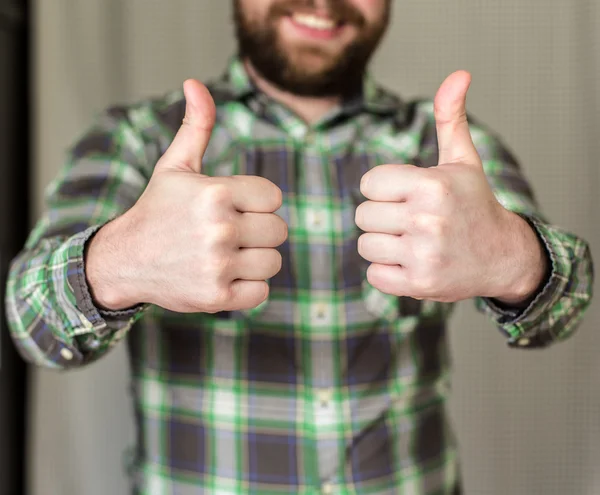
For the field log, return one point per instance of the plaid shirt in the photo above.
(330, 386)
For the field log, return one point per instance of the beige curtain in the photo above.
(529, 422)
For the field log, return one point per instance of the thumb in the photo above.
(190, 142)
(454, 138)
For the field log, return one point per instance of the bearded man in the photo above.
(283, 263)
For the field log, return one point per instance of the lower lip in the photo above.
(321, 34)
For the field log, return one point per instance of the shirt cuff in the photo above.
(519, 325)
(81, 313)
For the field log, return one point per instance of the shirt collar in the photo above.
(373, 98)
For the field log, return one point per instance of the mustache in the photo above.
(340, 11)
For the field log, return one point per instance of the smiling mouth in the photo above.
(314, 21)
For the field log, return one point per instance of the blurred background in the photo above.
(528, 422)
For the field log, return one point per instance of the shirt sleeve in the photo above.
(52, 317)
(557, 309)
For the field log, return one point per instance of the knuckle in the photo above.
(439, 226)
(217, 194)
(216, 266)
(438, 188)
(435, 260)
(435, 225)
(425, 283)
(432, 259)
(221, 233)
(218, 299)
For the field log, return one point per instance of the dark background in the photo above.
(14, 216)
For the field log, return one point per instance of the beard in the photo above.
(293, 69)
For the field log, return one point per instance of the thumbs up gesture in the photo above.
(191, 243)
(439, 233)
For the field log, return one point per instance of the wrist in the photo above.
(109, 267)
(525, 265)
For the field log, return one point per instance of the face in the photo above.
(311, 47)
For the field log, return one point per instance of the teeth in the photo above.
(314, 22)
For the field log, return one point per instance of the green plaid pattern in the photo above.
(330, 386)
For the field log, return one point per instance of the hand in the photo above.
(191, 243)
(439, 233)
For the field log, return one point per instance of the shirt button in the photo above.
(523, 342)
(317, 219)
(326, 489)
(66, 354)
(321, 311)
(309, 138)
(325, 396)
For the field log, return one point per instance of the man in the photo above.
(281, 265)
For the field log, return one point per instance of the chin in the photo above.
(312, 57)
